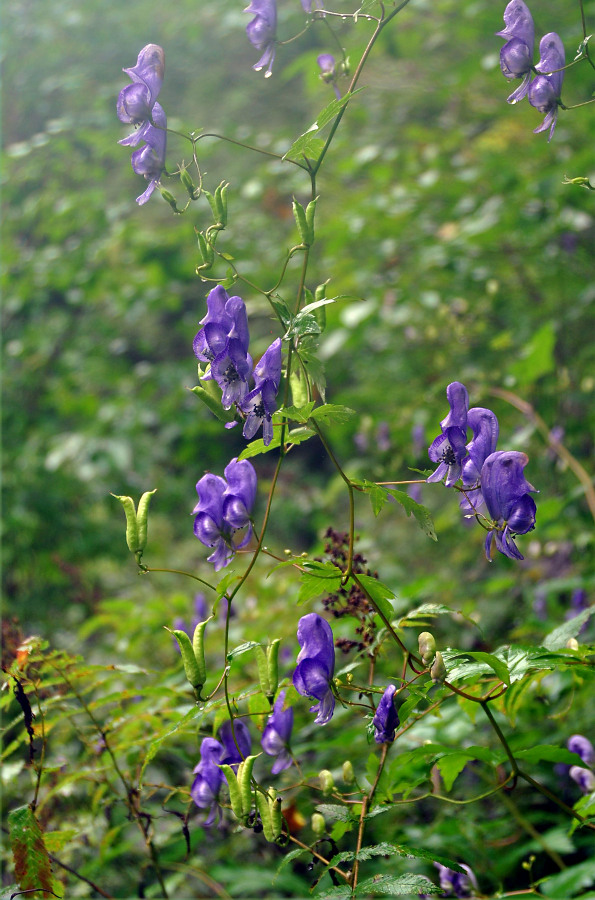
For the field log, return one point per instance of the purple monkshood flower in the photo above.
(316, 665)
(581, 745)
(516, 56)
(386, 719)
(209, 778)
(484, 425)
(328, 73)
(262, 32)
(277, 733)
(150, 159)
(260, 404)
(234, 751)
(136, 100)
(584, 778)
(223, 342)
(457, 884)
(224, 506)
(448, 448)
(545, 90)
(506, 494)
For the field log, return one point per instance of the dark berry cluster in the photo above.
(350, 600)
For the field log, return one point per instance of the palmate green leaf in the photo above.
(518, 661)
(335, 813)
(32, 866)
(297, 436)
(388, 849)
(420, 513)
(397, 885)
(570, 882)
(497, 665)
(421, 614)
(586, 807)
(548, 753)
(308, 144)
(318, 578)
(331, 414)
(451, 766)
(558, 638)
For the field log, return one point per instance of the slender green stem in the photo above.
(149, 569)
(485, 706)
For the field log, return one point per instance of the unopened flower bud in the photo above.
(572, 644)
(327, 781)
(318, 824)
(427, 647)
(438, 670)
(348, 773)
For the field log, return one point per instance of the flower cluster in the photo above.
(490, 478)
(137, 105)
(516, 61)
(316, 665)
(584, 777)
(224, 506)
(222, 342)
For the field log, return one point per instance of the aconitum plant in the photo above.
(343, 700)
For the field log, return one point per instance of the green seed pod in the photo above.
(275, 803)
(199, 649)
(427, 647)
(302, 224)
(348, 773)
(221, 203)
(206, 251)
(263, 672)
(327, 782)
(438, 670)
(273, 665)
(191, 668)
(318, 824)
(169, 198)
(188, 183)
(142, 515)
(235, 796)
(262, 802)
(131, 522)
(310, 213)
(572, 644)
(245, 782)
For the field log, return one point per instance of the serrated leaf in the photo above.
(289, 857)
(330, 414)
(497, 665)
(558, 638)
(318, 578)
(451, 766)
(32, 867)
(308, 144)
(423, 612)
(380, 594)
(333, 812)
(397, 885)
(549, 753)
(570, 882)
(420, 513)
(297, 436)
(334, 893)
(282, 310)
(294, 413)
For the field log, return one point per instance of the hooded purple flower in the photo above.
(386, 719)
(316, 665)
(584, 778)
(484, 425)
(260, 404)
(516, 56)
(581, 745)
(545, 90)
(457, 884)
(506, 494)
(262, 32)
(209, 778)
(223, 342)
(224, 506)
(448, 448)
(232, 756)
(136, 100)
(150, 159)
(277, 733)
